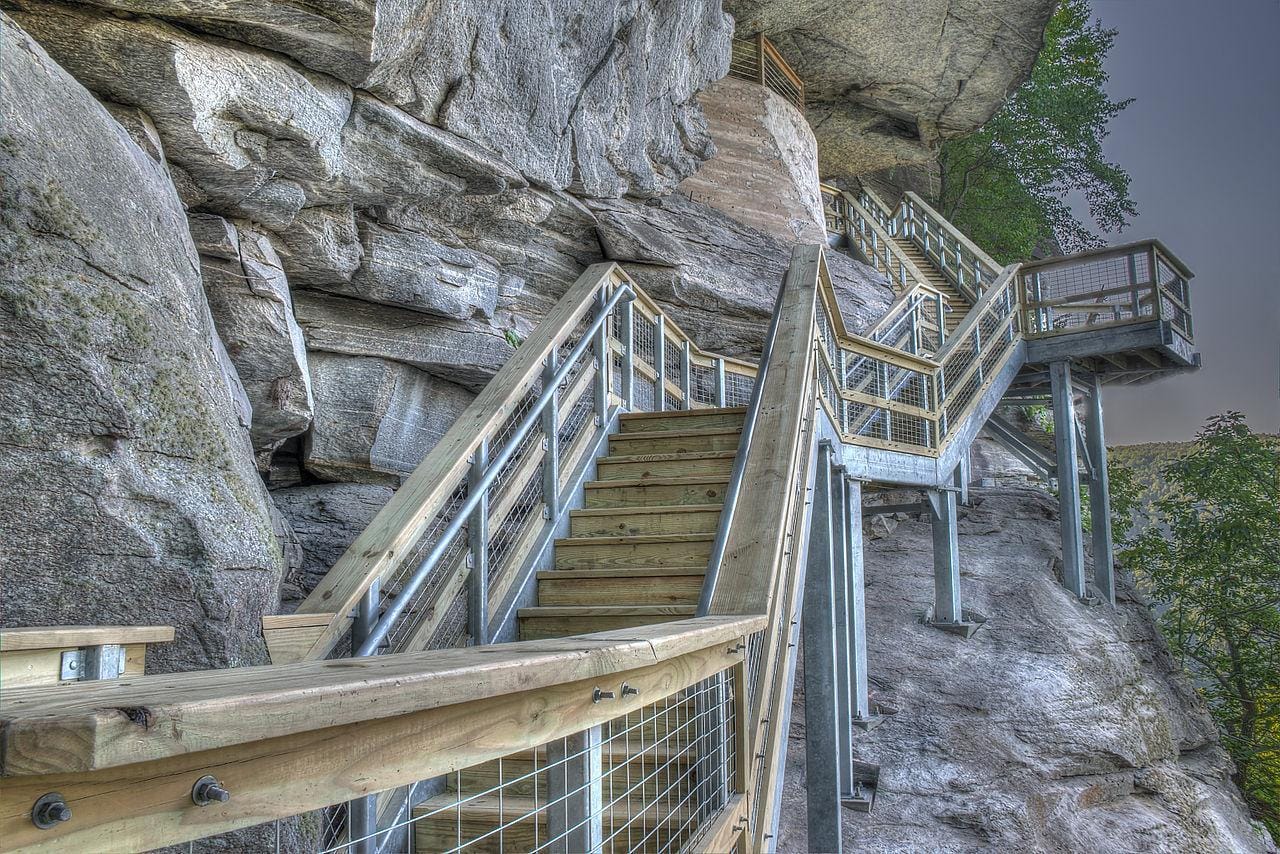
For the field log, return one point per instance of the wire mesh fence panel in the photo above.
(738, 389)
(645, 782)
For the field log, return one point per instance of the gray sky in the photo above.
(1201, 144)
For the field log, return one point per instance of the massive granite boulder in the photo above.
(887, 80)
(597, 95)
(1059, 726)
(130, 494)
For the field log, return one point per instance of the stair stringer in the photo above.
(895, 467)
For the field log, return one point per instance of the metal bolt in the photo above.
(207, 790)
(49, 811)
(739, 648)
(628, 691)
(597, 695)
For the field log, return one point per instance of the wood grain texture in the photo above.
(73, 637)
(147, 804)
(96, 725)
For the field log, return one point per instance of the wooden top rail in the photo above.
(68, 637)
(1106, 252)
(287, 739)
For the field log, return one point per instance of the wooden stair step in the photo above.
(555, 621)
(684, 420)
(642, 586)
(654, 491)
(673, 442)
(641, 466)
(638, 521)
(690, 550)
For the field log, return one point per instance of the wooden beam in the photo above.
(72, 637)
(147, 804)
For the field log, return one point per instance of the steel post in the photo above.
(478, 556)
(686, 375)
(721, 390)
(660, 363)
(857, 600)
(575, 798)
(822, 724)
(551, 442)
(362, 813)
(1100, 497)
(626, 332)
(604, 361)
(1064, 435)
(841, 603)
(946, 558)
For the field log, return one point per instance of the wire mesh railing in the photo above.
(1136, 282)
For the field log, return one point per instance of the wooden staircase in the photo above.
(636, 554)
(956, 302)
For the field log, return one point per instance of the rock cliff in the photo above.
(1059, 726)
(305, 234)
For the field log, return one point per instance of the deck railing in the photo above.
(1137, 282)
(757, 60)
(964, 264)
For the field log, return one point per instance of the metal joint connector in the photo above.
(50, 810)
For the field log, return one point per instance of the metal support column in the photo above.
(961, 477)
(660, 363)
(857, 602)
(626, 333)
(478, 556)
(575, 798)
(362, 813)
(1100, 497)
(822, 723)
(551, 443)
(946, 558)
(686, 375)
(604, 363)
(841, 606)
(1064, 435)
(721, 391)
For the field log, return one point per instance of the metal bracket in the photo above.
(93, 662)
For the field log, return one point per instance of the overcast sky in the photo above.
(1202, 144)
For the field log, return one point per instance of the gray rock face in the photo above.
(465, 353)
(411, 270)
(253, 312)
(321, 246)
(375, 420)
(1059, 726)
(326, 518)
(886, 80)
(130, 494)
(719, 277)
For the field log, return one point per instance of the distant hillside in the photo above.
(1147, 462)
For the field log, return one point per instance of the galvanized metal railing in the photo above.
(962, 261)
(1134, 283)
(757, 60)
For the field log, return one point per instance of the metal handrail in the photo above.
(378, 633)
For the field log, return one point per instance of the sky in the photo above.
(1202, 145)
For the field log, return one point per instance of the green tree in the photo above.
(1210, 557)
(1006, 184)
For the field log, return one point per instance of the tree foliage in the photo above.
(1210, 557)
(1006, 185)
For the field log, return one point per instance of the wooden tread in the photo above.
(640, 521)
(646, 585)
(644, 466)
(656, 491)
(683, 420)
(558, 621)
(622, 552)
(673, 441)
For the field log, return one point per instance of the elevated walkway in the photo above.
(574, 627)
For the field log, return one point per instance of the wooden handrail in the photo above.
(1104, 252)
(286, 739)
(961, 238)
(401, 523)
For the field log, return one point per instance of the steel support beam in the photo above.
(961, 477)
(857, 603)
(1064, 435)
(1100, 497)
(841, 606)
(575, 796)
(362, 813)
(822, 724)
(946, 558)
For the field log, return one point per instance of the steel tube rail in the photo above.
(476, 493)
(739, 464)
